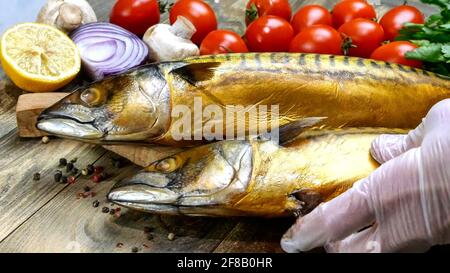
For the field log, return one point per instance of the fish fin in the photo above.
(197, 72)
(290, 131)
(308, 200)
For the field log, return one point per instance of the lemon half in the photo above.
(38, 57)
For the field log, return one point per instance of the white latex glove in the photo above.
(406, 202)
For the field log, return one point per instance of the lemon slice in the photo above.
(38, 57)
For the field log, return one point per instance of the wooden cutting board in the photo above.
(29, 106)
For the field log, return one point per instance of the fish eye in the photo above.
(92, 97)
(166, 165)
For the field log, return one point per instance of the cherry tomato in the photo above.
(321, 39)
(363, 35)
(200, 14)
(395, 53)
(347, 10)
(395, 18)
(258, 8)
(269, 34)
(222, 41)
(135, 15)
(311, 15)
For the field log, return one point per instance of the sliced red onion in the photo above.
(107, 49)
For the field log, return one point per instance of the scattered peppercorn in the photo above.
(71, 179)
(97, 178)
(171, 236)
(64, 179)
(90, 169)
(112, 211)
(148, 229)
(84, 172)
(119, 245)
(74, 171)
(86, 188)
(96, 203)
(62, 162)
(69, 167)
(105, 209)
(36, 176)
(118, 162)
(98, 169)
(134, 249)
(150, 237)
(104, 175)
(45, 139)
(57, 176)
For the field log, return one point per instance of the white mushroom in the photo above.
(169, 43)
(66, 15)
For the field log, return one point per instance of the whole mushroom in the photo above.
(169, 43)
(66, 15)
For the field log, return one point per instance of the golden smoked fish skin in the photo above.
(349, 92)
(253, 178)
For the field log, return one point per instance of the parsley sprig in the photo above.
(433, 38)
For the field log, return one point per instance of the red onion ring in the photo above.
(107, 49)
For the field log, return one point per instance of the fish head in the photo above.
(129, 107)
(204, 180)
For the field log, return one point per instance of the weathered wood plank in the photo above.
(20, 196)
(45, 216)
(255, 236)
(69, 224)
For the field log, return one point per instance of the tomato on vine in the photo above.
(258, 8)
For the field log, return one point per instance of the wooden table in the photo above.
(45, 216)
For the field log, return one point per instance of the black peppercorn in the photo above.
(64, 179)
(90, 169)
(74, 171)
(58, 176)
(62, 162)
(96, 203)
(86, 188)
(134, 249)
(36, 176)
(105, 209)
(69, 167)
(148, 229)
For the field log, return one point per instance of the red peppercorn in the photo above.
(96, 178)
(98, 169)
(71, 179)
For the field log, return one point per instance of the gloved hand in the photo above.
(404, 205)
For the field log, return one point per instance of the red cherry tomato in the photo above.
(347, 10)
(135, 15)
(258, 8)
(364, 35)
(200, 14)
(269, 34)
(395, 18)
(395, 53)
(321, 39)
(222, 41)
(311, 15)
